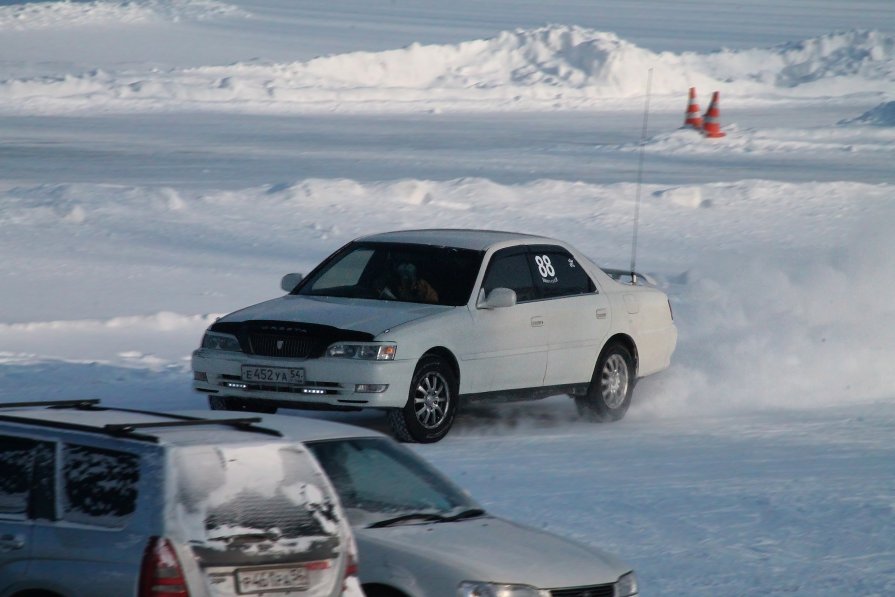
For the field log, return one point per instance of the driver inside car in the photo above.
(407, 286)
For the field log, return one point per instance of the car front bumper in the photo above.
(328, 381)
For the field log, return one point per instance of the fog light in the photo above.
(200, 376)
(313, 391)
(370, 388)
(237, 386)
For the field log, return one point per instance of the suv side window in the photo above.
(26, 478)
(100, 485)
(509, 269)
(557, 273)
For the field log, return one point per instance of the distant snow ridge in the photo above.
(555, 66)
(63, 14)
(882, 115)
(865, 54)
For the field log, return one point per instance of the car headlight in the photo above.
(216, 341)
(366, 351)
(473, 588)
(626, 586)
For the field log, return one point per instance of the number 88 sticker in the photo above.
(545, 268)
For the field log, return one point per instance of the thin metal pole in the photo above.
(649, 85)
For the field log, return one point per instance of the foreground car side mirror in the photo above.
(290, 281)
(497, 299)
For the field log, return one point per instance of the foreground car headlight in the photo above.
(367, 351)
(216, 341)
(626, 586)
(471, 588)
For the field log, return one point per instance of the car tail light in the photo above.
(160, 573)
(350, 573)
(352, 568)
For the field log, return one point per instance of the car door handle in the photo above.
(11, 542)
(602, 313)
(537, 322)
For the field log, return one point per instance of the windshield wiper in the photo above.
(471, 513)
(423, 516)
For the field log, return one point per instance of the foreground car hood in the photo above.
(371, 316)
(486, 549)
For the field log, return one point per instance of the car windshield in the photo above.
(380, 482)
(397, 272)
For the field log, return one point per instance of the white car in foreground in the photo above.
(413, 322)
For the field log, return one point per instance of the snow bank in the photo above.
(780, 290)
(550, 67)
(65, 14)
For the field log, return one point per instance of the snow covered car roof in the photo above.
(460, 238)
(181, 428)
(298, 428)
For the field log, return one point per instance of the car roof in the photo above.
(299, 428)
(461, 238)
(93, 421)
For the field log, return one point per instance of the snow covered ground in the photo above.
(165, 161)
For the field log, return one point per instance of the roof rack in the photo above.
(128, 430)
(85, 403)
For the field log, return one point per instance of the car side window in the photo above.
(557, 273)
(100, 485)
(26, 478)
(509, 269)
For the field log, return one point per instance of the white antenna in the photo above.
(649, 85)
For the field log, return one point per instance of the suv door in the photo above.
(579, 315)
(510, 344)
(26, 473)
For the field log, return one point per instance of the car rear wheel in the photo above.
(609, 394)
(431, 403)
(241, 404)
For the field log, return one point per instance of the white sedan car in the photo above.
(414, 322)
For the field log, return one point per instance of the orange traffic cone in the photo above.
(712, 125)
(692, 118)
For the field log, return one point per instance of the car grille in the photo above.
(591, 591)
(276, 345)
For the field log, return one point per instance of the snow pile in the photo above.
(881, 115)
(549, 67)
(65, 14)
(756, 331)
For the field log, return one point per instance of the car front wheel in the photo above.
(609, 394)
(431, 403)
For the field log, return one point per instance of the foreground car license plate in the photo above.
(271, 579)
(273, 374)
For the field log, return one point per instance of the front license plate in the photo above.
(271, 579)
(287, 375)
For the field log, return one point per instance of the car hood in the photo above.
(488, 549)
(363, 315)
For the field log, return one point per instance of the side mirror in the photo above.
(497, 299)
(290, 281)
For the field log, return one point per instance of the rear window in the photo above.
(100, 486)
(270, 495)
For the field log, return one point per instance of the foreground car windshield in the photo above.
(379, 481)
(397, 272)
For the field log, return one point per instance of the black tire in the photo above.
(431, 403)
(241, 404)
(609, 394)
